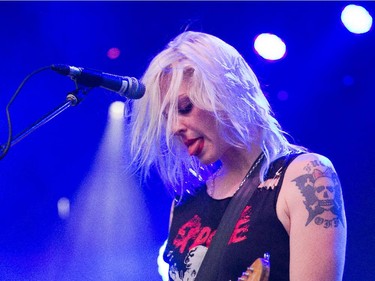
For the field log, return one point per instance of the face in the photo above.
(198, 130)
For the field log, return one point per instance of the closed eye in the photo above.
(185, 109)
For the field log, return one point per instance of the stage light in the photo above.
(356, 19)
(269, 46)
(348, 80)
(113, 53)
(110, 215)
(282, 95)
(116, 110)
(63, 207)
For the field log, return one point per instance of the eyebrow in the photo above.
(183, 98)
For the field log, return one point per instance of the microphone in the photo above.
(128, 87)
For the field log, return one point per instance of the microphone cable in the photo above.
(5, 148)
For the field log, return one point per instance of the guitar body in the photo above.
(258, 271)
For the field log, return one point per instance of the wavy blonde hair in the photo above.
(220, 82)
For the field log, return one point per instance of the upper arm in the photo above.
(313, 208)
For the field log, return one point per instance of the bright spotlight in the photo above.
(356, 19)
(269, 46)
(63, 207)
(116, 110)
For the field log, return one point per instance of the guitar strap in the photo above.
(210, 267)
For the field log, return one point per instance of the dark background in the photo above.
(116, 226)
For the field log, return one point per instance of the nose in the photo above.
(178, 126)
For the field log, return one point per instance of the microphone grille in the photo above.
(136, 89)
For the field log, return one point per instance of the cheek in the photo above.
(207, 121)
(213, 134)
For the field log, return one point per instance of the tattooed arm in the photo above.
(311, 208)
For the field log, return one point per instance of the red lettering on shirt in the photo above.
(242, 227)
(202, 237)
(210, 238)
(187, 232)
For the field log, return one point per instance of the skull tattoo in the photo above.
(322, 193)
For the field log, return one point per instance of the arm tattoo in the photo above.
(320, 187)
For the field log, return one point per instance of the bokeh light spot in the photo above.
(116, 110)
(282, 95)
(356, 19)
(63, 207)
(269, 46)
(113, 53)
(348, 80)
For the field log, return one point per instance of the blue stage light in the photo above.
(356, 19)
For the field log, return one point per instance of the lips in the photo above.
(195, 146)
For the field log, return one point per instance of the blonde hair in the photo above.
(220, 82)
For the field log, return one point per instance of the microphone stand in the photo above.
(72, 99)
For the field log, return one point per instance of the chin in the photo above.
(206, 160)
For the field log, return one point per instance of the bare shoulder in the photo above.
(311, 185)
(307, 162)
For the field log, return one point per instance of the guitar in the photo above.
(259, 270)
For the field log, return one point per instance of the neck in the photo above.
(235, 165)
(237, 161)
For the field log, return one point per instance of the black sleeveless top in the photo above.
(257, 231)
